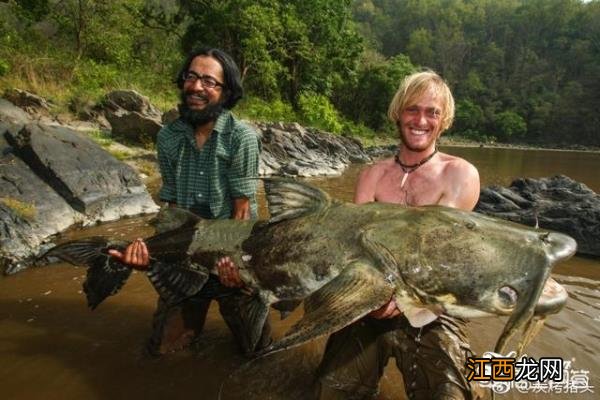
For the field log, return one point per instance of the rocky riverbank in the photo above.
(54, 175)
(57, 172)
(557, 203)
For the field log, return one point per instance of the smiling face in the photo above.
(422, 108)
(196, 95)
(420, 123)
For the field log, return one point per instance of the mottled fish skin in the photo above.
(432, 259)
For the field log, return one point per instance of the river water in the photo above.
(53, 347)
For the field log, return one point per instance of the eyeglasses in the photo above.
(206, 80)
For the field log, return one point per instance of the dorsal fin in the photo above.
(288, 199)
(170, 218)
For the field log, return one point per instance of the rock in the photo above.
(9, 113)
(30, 210)
(132, 116)
(52, 177)
(290, 149)
(87, 110)
(131, 100)
(557, 203)
(30, 102)
(87, 177)
(170, 116)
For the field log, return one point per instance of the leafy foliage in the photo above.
(523, 70)
(520, 70)
(317, 110)
(365, 99)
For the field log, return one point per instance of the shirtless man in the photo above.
(431, 359)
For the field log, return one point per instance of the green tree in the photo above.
(366, 99)
(509, 125)
(469, 119)
(514, 56)
(283, 48)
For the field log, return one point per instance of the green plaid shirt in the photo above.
(205, 181)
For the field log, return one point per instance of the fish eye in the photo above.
(508, 296)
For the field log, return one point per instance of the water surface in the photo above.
(53, 347)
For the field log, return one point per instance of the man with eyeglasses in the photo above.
(431, 357)
(209, 163)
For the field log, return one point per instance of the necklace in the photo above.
(408, 168)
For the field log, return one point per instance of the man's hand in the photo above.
(135, 255)
(241, 208)
(229, 275)
(389, 310)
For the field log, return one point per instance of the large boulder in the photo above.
(132, 116)
(290, 149)
(86, 176)
(54, 177)
(557, 203)
(30, 210)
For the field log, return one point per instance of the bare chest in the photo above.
(414, 189)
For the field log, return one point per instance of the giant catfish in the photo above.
(344, 260)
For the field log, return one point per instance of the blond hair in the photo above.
(415, 86)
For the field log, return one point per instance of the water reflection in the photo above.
(502, 166)
(52, 346)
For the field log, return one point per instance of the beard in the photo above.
(198, 118)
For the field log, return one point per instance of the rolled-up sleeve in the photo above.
(243, 171)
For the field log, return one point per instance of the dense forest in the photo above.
(523, 71)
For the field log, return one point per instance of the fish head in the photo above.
(473, 265)
(542, 295)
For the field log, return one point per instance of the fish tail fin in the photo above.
(80, 252)
(105, 275)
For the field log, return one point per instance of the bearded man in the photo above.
(209, 163)
(431, 358)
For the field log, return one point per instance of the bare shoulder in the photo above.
(462, 182)
(456, 167)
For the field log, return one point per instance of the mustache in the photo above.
(189, 93)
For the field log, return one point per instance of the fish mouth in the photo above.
(559, 247)
(553, 299)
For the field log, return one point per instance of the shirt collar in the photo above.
(222, 122)
(221, 125)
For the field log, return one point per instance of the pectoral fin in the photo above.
(253, 312)
(175, 282)
(358, 290)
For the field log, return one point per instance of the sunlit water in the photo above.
(53, 347)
